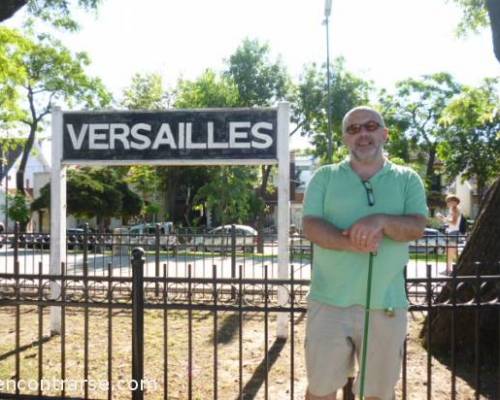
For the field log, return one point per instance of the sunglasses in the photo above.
(370, 126)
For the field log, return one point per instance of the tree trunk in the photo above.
(429, 173)
(9, 7)
(172, 182)
(22, 166)
(482, 254)
(493, 7)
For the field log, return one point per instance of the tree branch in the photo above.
(48, 108)
(299, 125)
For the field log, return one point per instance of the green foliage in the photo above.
(145, 178)
(472, 125)
(53, 69)
(474, 16)
(18, 209)
(397, 160)
(43, 73)
(12, 74)
(39, 70)
(151, 209)
(398, 146)
(9, 144)
(260, 80)
(311, 103)
(145, 93)
(95, 192)
(59, 12)
(413, 115)
(229, 193)
(209, 90)
(131, 202)
(418, 105)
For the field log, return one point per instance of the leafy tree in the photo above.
(131, 202)
(475, 16)
(19, 210)
(146, 92)
(472, 145)
(49, 73)
(12, 73)
(311, 99)
(92, 193)
(417, 108)
(260, 80)
(56, 12)
(146, 179)
(399, 145)
(227, 191)
(98, 192)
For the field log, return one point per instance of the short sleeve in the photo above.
(315, 193)
(415, 199)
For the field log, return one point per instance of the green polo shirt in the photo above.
(337, 194)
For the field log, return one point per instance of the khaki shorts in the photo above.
(333, 349)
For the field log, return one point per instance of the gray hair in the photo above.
(376, 114)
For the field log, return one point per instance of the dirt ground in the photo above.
(284, 363)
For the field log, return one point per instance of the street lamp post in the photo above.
(328, 10)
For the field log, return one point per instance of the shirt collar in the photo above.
(346, 165)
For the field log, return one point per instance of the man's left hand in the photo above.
(366, 232)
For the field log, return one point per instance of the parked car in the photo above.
(144, 235)
(219, 239)
(432, 242)
(75, 238)
(27, 240)
(299, 245)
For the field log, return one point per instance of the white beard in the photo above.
(369, 155)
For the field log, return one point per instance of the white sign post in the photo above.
(175, 137)
(57, 215)
(283, 212)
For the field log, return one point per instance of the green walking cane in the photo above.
(366, 328)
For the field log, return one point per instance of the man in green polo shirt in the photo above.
(362, 205)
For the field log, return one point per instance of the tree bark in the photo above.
(481, 254)
(493, 7)
(429, 173)
(24, 159)
(9, 7)
(172, 183)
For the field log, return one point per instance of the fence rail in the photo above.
(193, 324)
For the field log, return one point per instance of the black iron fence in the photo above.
(196, 317)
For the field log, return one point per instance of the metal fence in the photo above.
(194, 317)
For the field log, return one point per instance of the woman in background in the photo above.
(452, 230)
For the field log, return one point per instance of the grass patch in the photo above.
(433, 258)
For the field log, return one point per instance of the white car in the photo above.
(220, 239)
(145, 235)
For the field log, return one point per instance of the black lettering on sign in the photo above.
(222, 134)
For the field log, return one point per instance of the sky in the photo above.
(381, 40)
